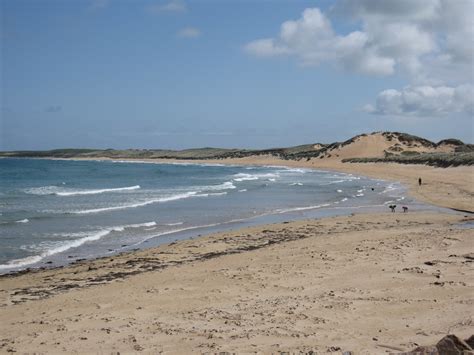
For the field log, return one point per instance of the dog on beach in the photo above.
(392, 207)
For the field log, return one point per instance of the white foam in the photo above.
(61, 191)
(228, 185)
(283, 168)
(174, 224)
(43, 190)
(296, 184)
(296, 170)
(21, 262)
(211, 194)
(295, 209)
(26, 220)
(359, 195)
(333, 182)
(244, 177)
(248, 177)
(137, 204)
(138, 225)
(389, 188)
(99, 191)
(339, 191)
(243, 190)
(71, 244)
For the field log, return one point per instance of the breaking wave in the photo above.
(137, 204)
(92, 236)
(61, 191)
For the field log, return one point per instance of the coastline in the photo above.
(451, 187)
(334, 283)
(227, 273)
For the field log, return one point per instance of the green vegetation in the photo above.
(292, 153)
(442, 160)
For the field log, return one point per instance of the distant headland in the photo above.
(393, 147)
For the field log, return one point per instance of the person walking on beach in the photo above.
(419, 181)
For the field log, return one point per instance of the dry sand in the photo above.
(369, 283)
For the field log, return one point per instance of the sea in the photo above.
(54, 212)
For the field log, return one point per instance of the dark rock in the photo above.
(449, 345)
(452, 345)
(424, 350)
(470, 341)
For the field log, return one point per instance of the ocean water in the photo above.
(58, 211)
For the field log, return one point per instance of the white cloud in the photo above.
(313, 41)
(172, 6)
(265, 48)
(424, 101)
(189, 32)
(427, 39)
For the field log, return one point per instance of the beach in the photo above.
(237, 177)
(367, 283)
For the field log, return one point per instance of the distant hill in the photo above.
(385, 144)
(373, 147)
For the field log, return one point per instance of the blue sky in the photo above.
(175, 74)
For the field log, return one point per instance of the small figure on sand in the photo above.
(392, 207)
(419, 181)
(405, 209)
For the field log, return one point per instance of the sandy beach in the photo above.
(237, 177)
(367, 283)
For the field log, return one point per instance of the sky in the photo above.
(181, 74)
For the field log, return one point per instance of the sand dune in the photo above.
(379, 144)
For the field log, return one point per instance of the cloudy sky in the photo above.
(181, 74)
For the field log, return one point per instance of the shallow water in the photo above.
(60, 211)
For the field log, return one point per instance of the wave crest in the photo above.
(137, 204)
(71, 244)
(61, 191)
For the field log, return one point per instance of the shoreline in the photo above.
(200, 230)
(451, 187)
(265, 218)
(334, 282)
(316, 284)
(360, 169)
